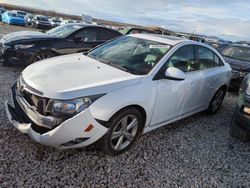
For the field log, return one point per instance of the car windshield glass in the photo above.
(134, 55)
(42, 18)
(21, 13)
(63, 31)
(237, 52)
(12, 14)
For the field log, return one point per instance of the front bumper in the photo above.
(43, 26)
(16, 57)
(69, 134)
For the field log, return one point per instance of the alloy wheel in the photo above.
(41, 56)
(124, 132)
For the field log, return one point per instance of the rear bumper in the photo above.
(71, 133)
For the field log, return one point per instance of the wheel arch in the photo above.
(136, 106)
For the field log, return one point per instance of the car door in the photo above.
(82, 41)
(171, 94)
(202, 80)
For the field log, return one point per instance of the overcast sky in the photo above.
(229, 19)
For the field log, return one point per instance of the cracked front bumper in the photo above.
(71, 133)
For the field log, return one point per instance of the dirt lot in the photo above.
(194, 152)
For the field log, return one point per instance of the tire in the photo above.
(42, 55)
(238, 132)
(119, 139)
(217, 100)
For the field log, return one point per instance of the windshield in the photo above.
(21, 13)
(63, 31)
(237, 52)
(134, 55)
(42, 19)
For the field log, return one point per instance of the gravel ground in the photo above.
(194, 152)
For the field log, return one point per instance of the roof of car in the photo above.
(172, 40)
(91, 25)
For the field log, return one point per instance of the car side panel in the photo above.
(142, 94)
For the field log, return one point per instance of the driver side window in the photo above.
(183, 59)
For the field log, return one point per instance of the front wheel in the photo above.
(217, 100)
(125, 128)
(42, 55)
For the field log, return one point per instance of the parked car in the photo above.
(218, 45)
(20, 13)
(26, 47)
(238, 56)
(128, 86)
(63, 22)
(28, 19)
(55, 22)
(240, 125)
(137, 30)
(13, 18)
(2, 10)
(41, 22)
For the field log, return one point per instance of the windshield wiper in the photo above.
(110, 63)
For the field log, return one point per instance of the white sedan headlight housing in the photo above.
(74, 106)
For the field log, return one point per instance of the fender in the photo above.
(105, 107)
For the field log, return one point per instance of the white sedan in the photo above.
(124, 88)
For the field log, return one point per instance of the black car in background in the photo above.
(26, 47)
(238, 56)
(41, 22)
(217, 45)
(136, 30)
(240, 125)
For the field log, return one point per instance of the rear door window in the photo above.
(105, 34)
(205, 57)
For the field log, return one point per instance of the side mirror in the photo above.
(173, 73)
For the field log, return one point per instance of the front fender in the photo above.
(142, 94)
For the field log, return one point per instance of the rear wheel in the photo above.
(217, 100)
(125, 128)
(43, 55)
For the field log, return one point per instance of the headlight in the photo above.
(23, 46)
(74, 106)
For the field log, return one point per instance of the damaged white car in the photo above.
(124, 88)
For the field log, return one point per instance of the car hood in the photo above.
(24, 35)
(73, 76)
(238, 64)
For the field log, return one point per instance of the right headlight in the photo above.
(74, 106)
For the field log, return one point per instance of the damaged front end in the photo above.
(32, 114)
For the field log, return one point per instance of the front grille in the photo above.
(41, 104)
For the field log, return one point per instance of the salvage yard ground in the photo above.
(194, 152)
